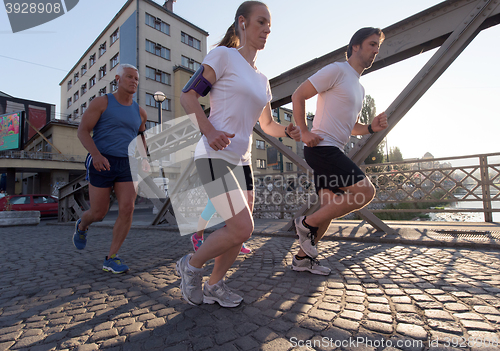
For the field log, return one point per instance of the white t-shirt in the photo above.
(340, 100)
(237, 100)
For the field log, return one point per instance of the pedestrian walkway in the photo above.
(383, 294)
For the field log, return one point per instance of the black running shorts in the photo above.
(332, 168)
(220, 177)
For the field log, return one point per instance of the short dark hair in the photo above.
(361, 35)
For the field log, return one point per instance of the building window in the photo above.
(70, 84)
(69, 116)
(83, 107)
(91, 60)
(190, 63)
(260, 144)
(150, 124)
(76, 77)
(47, 146)
(84, 88)
(150, 101)
(157, 75)
(76, 96)
(261, 164)
(92, 81)
(91, 98)
(102, 91)
(288, 117)
(189, 40)
(75, 113)
(157, 49)
(114, 61)
(157, 24)
(84, 69)
(275, 112)
(69, 102)
(289, 167)
(113, 86)
(165, 105)
(102, 49)
(114, 37)
(102, 71)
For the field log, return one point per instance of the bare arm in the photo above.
(218, 140)
(143, 147)
(269, 126)
(89, 120)
(379, 123)
(304, 92)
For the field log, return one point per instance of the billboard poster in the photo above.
(10, 131)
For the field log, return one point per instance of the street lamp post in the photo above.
(159, 98)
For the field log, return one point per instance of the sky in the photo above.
(458, 115)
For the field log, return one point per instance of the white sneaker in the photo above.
(309, 264)
(306, 238)
(190, 281)
(220, 293)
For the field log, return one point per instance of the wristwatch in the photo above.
(370, 129)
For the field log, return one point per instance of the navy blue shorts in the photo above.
(119, 172)
(332, 168)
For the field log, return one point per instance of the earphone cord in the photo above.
(245, 34)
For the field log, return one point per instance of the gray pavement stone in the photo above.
(413, 331)
(372, 288)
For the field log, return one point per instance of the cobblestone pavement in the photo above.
(392, 297)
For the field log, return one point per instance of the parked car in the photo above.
(46, 204)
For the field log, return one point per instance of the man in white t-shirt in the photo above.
(341, 186)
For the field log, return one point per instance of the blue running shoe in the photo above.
(80, 237)
(114, 264)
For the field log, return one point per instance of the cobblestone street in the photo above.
(390, 296)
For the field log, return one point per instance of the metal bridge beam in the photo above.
(416, 34)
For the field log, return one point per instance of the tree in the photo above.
(395, 155)
(368, 113)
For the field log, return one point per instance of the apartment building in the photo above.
(164, 47)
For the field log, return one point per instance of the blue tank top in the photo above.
(117, 127)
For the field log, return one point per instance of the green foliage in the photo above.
(395, 155)
(368, 112)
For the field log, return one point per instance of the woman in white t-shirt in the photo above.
(240, 96)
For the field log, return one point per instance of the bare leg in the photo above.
(226, 260)
(99, 205)
(334, 206)
(125, 194)
(202, 225)
(225, 243)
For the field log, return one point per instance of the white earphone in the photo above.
(243, 25)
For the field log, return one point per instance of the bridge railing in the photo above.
(457, 184)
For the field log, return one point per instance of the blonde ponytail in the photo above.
(232, 37)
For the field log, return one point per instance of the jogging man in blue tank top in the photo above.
(115, 120)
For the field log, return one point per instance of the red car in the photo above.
(46, 204)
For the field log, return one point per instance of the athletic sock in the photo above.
(193, 268)
(197, 236)
(310, 227)
(300, 257)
